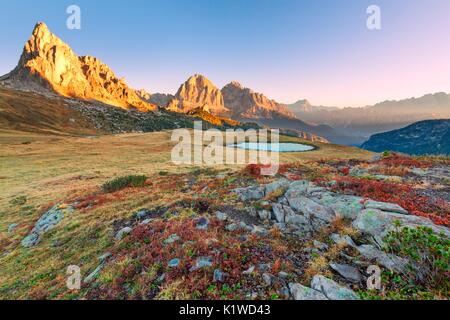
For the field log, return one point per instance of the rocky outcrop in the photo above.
(49, 65)
(159, 99)
(197, 92)
(47, 222)
(245, 103)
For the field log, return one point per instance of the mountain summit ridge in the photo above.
(48, 64)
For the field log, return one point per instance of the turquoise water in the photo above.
(273, 147)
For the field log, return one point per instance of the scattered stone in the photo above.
(300, 292)
(161, 278)
(94, 274)
(172, 238)
(260, 231)
(122, 233)
(105, 256)
(12, 227)
(31, 240)
(268, 279)
(249, 270)
(221, 216)
(284, 292)
(283, 275)
(389, 261)
(281, 184)
(252, 212)
(348, 272)
(146, 221)
(278, 212)
(320, 245)
(202, 262)
(344, 239)
(142, 214)
(219, 276)
(250, 193)
(238, 226)
(174, 263)
(331, 289)
(264, 215)
(202, 224)
(263, 267)
(45, 223)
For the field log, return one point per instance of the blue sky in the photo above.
(288, 49)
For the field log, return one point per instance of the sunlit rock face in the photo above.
(49, 64)
(245, 103)
(197, 92)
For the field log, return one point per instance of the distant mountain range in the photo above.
(83, 90)
(381, 117)
(49, 67)
(420, 138)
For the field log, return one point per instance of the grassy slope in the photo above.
(31, 112)
(49, 169)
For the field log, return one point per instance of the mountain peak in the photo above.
(245, 103)
(49, 64)
(237, 84)
(198, 92)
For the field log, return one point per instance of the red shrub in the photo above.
(402, 194)
(404, 161)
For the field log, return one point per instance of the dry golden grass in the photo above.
(39, 170)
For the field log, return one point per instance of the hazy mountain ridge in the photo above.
(383, 116)
(424, 137)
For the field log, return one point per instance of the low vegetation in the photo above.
(121, 183)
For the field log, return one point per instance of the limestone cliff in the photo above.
(49, 64)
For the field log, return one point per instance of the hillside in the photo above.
(424, 137)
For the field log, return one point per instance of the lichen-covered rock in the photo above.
(331, 289)
(389, 261)
(300, 292)
(45, 223)
(343, 205)
(250, 193)
(122, 233)
(318, 214)
(278, 212)
(281, 184)
(348, 272)
(384, 206)
(378, 223)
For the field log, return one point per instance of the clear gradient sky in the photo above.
(288, 49)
